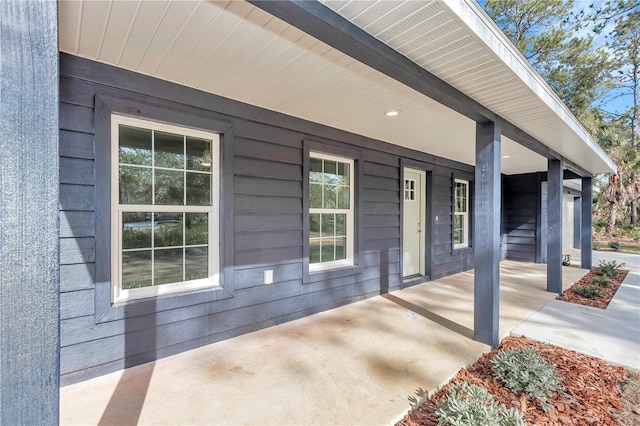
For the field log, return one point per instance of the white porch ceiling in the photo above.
(238, 51)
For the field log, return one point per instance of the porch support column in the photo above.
(486, 247)
(29, 283)
(554, 226)
(586, 225)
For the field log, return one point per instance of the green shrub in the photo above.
(608, 268)
(471, 405)
(596, 246)
(524, 370)
(614, 245)
(601, 280)
(588, 291)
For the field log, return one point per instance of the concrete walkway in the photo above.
(363, 363)
(612, 334)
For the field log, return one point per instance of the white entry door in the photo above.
(413, 222)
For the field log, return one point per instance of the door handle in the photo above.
(419, 230)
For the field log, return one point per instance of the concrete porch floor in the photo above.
(363, 363)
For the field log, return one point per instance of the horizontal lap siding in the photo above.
(521, 211)
(267, 235)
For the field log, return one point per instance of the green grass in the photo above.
(623, 249)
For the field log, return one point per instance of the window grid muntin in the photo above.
(211, 209)
(349, 213)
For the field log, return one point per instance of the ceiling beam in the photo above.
(329, 27)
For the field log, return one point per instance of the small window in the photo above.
(461, 214)
(164, 209)
(409, 189)
(331, 207)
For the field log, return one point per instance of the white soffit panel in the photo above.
(233, 49)
(458, 42)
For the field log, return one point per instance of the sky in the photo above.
(615, 102)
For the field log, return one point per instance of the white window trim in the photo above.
(122, 295)
(350, 227)
(465, 214)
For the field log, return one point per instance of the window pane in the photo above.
(328, 254)
(341, 225)
(341, 248)
(314, 225)
(135, 185)
(169, 187)
(328, 225)
(198, 189)
(136, 230)
(343, 197)
(169, 150)
(168, 230)
(135, 145)
(315, 195)
(331, 172)
(315, 174)
(197, 228)
(198, 154)
(196, 263)
(343, 172)
(329, 193)
(136, 269)
(167, 266)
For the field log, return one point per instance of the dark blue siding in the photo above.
(267, 225)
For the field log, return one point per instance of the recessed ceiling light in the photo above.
(392, 112)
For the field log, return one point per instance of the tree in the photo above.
(542, 31)
(625, 44)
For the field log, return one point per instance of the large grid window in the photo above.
(330, 212)
(461, 214)
(164, 208)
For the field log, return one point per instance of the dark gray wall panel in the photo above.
(520, 214)
(267, 208)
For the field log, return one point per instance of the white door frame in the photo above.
(422, 195)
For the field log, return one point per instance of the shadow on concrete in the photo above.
(453, 326)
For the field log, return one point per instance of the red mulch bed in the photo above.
(593, 386)
(602, 301)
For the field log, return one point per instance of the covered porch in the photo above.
(364, 363)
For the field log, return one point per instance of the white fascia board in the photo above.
(485, 29)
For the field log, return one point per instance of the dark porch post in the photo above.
(554, 227)
(486, 217)
(586, 225)
(29, 284)
(577, 221)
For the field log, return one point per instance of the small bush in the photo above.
(614, 245)
(566, 259)
(524, 370)
(471, 405)
(608, 269)
(596, 246)
(588, 291)
(601, 281)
